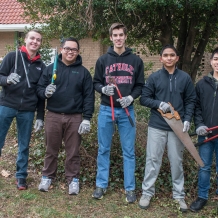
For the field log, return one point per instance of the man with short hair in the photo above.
(206, 116)
(167, 85)
(127, 70)
(70, 105)
(18, 98)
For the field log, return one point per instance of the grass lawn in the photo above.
(57, 203)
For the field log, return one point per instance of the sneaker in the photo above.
(74, 187)
(182, 205)
(44, 184)
(98, 193)
(198, 204)
(130, 196)
(21, 184)
(144, 202)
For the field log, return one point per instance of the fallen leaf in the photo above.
(62, 186)
(214, 198)
(5, 173)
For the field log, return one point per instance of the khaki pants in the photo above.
(64, 127)
(156, 143)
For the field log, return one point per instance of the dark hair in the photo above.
(215, 51)
(168, 46)
(117, 26)
(69, 39)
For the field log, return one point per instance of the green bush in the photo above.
(89, 149)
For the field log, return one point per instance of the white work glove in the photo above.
(13, 78)
(50, 89)
(201, 130)
(84, 127)
(125, 101)
(38, 125)
(186, 126)
(108, 90)
(165, 107)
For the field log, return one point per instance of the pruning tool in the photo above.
(16, 57)
(112, 105)
(112, 80)
(24, 66)
(208, 139)
(54, 73)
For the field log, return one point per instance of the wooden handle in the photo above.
(170, 115)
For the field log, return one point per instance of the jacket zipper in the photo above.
(171, 84)
(214, 99)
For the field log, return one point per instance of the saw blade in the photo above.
(177, 127)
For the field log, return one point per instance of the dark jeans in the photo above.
(207, 151)
(24, 128)
(64, 127)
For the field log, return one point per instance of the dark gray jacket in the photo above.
(19, 96)
(178, 90)
(206, 110)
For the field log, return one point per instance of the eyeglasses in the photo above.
(68, 49)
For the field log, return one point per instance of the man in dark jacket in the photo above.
(206, 116)
(70, 105)
(18, 98)
(127, 70)
(168, 84)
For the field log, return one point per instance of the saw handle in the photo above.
(170, 115)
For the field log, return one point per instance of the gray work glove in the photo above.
(38, 125)
(13, 78)
(50, 89)
(108, 90)
(186, 126)
(125, 101)
(84, 127)
(165, 107)
(201, 130)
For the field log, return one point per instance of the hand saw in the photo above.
(174, 121)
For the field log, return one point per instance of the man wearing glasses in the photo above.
(70, 105)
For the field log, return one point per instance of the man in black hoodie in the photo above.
(18, 99)
(127, 70)
(70, 105)
(168, 84)
(206, 116)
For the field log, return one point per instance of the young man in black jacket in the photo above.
(168, 84)
(119, 64)
(70, 105)
(206, 116)
(18, 99)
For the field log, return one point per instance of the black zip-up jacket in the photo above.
(19, 96)
(176, 88)
(128, 71)
(74, 89)
(206, 110)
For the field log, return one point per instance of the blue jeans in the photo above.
(24, 128)
(206, 152)
(127, 138)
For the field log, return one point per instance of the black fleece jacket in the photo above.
(178, 90)
(128, 71)
(19, 96)
(74, 89)
(206, 109)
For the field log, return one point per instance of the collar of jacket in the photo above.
(165, 71)
(23, 49)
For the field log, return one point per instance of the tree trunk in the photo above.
(192, 32)
(196, 61)
(182, 36)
